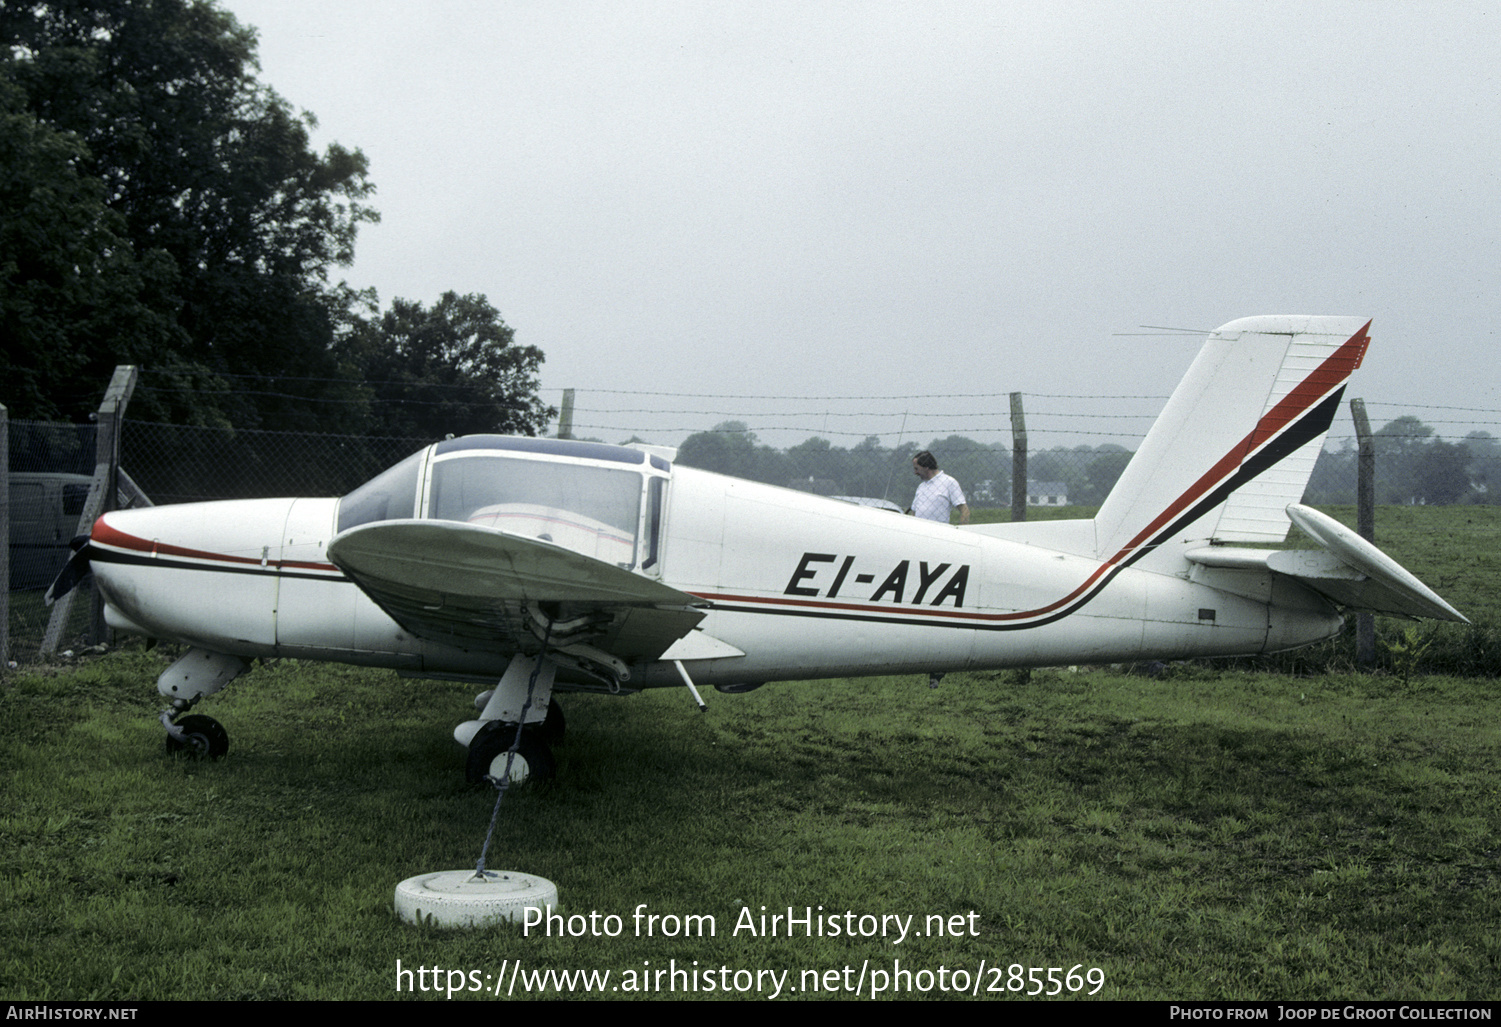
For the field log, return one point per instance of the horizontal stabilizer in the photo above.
(1349, 571)
(1390, 588)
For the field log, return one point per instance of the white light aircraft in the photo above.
(554, 565)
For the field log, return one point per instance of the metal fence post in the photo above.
(1018, 459)
(1365, 520)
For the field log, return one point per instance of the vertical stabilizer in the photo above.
(1237, 441)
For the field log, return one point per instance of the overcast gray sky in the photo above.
(914, 206)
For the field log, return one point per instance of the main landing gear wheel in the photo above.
(203, 738)
(554, 727)
(462, 898)
(487, 755)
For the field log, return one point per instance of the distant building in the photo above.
(987, 491)
(1047, 493)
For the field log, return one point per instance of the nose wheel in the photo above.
(197, 674)
(197, 736)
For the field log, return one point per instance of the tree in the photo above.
(1483, 445)
(211, 224)
(1485, 466)
(1414, 466)
(1443, 474)
(1335, 476)
(452, 369)
(1400, 446)
(1104, 468)
(880, 472)
(730, 447)
(817, 460)
(727, 448)
(70, 283)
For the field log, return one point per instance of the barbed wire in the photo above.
(1408, 406)
(969, 415)
(905, 397)
(783, 397)
(752, 429)
(267, 377)
(602, 418)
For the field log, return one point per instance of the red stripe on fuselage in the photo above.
(106, 534)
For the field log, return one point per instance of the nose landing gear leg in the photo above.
(196, 674)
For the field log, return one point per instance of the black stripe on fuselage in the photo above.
(98, 555)
(1302, 431)
(1307, 428)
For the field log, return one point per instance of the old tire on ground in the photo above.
(459, 898)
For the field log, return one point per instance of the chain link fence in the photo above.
(178, 464)
(50, 466)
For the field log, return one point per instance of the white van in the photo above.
(44, 511)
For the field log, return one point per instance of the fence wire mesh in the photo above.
(49, 464)
(178, 464)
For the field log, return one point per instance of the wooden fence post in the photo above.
(1365, 520)
(102, 492)
(1018, 459)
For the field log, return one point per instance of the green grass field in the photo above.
(1210, 833)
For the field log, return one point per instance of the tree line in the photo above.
(1413, 466)
(160, 206)
(874, 470)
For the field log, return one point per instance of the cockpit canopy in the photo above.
(603, 501)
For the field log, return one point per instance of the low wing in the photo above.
(482, 588)
(1349, 571)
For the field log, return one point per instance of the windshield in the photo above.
(586, 497)
(590, 510)
(389, 496)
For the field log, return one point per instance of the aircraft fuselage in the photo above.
(803, 586)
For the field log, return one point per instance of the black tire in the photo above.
(492, 743)
(205, 738)
(554, 727)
